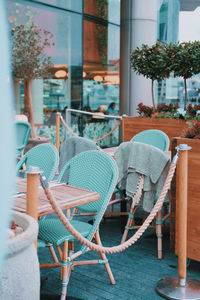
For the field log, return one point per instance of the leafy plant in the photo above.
(185, 61)
(144, 110)
(171, 107)
(29, 60)
(151, 62)
(193, 131)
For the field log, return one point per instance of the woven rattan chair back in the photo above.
(23, 131)
(44, 156)
(153, 137)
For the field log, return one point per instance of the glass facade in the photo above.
(85, 57)
(168, 31)
(176, 25)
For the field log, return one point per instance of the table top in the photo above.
(66, 196)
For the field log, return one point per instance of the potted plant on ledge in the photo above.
(29, 61)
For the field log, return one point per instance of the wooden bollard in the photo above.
(182, 171)
(32, 193)
(181, 288)
(57, 131)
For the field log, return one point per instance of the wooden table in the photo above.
(66, 196)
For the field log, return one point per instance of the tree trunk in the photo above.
(152, 92)
(185, 85)
(28, 104)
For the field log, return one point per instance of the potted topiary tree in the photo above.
(29, 60)
(185, 61)
(152, 62)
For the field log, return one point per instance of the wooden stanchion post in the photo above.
(57, 131)
(182, 171)
(32, 193)
(181, 288)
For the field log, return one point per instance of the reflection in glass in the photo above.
(63, 88)
(75, 5)
(104, 9)
(101, 65)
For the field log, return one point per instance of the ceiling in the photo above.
(189, 5)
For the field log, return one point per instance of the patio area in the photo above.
(136, 270)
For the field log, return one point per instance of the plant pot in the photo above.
(41, 139)
(193, 211)
(20, 274)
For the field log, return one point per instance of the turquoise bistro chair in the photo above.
(23, 132)
(153, 137)
(44, 156)
(158, 139)
(92, 170)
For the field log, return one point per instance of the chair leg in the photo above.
(65, 271)
(103, 257)
(129, 224)
(159, 233)
(53, 253)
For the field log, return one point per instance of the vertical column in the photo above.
(138, 26)
(32, 193)
(37, 94)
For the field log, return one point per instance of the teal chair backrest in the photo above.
(153, 137)
(96, 171)
(23, 131)
(44, 156)
(91, 170)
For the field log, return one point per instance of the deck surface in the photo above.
(136, 270)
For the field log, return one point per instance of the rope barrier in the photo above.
(97, 140)
(133, 239)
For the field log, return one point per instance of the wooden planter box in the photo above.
(193, 212)
(133, 125)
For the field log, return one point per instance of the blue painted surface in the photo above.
(7, 148)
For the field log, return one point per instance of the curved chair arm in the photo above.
(20, 163)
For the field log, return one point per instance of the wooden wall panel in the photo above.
(133, 125)
(193, 211)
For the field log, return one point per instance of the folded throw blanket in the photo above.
(134, 159)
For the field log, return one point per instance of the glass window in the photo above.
(104, 9)
(75, 5)
(101, 65)
(64, 87)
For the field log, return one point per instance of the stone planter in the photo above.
(41, 139)
(20, 274)
(193, 211)
(133, 125)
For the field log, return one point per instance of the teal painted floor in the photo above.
(136, 270)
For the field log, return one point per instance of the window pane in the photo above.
(108, 9)
(101, 65)
(64, 86)
(75, 5)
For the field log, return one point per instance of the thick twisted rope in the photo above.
(97, 140)
(109, 133)
(67, 126)
(133, 239)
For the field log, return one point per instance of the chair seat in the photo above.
(53, 231)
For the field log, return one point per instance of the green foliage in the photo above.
(185, 59)
(171, 107)
(151, 61)
(29, 60)
(144, 110)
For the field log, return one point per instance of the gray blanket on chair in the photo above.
(73, 146)
(134, 159)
